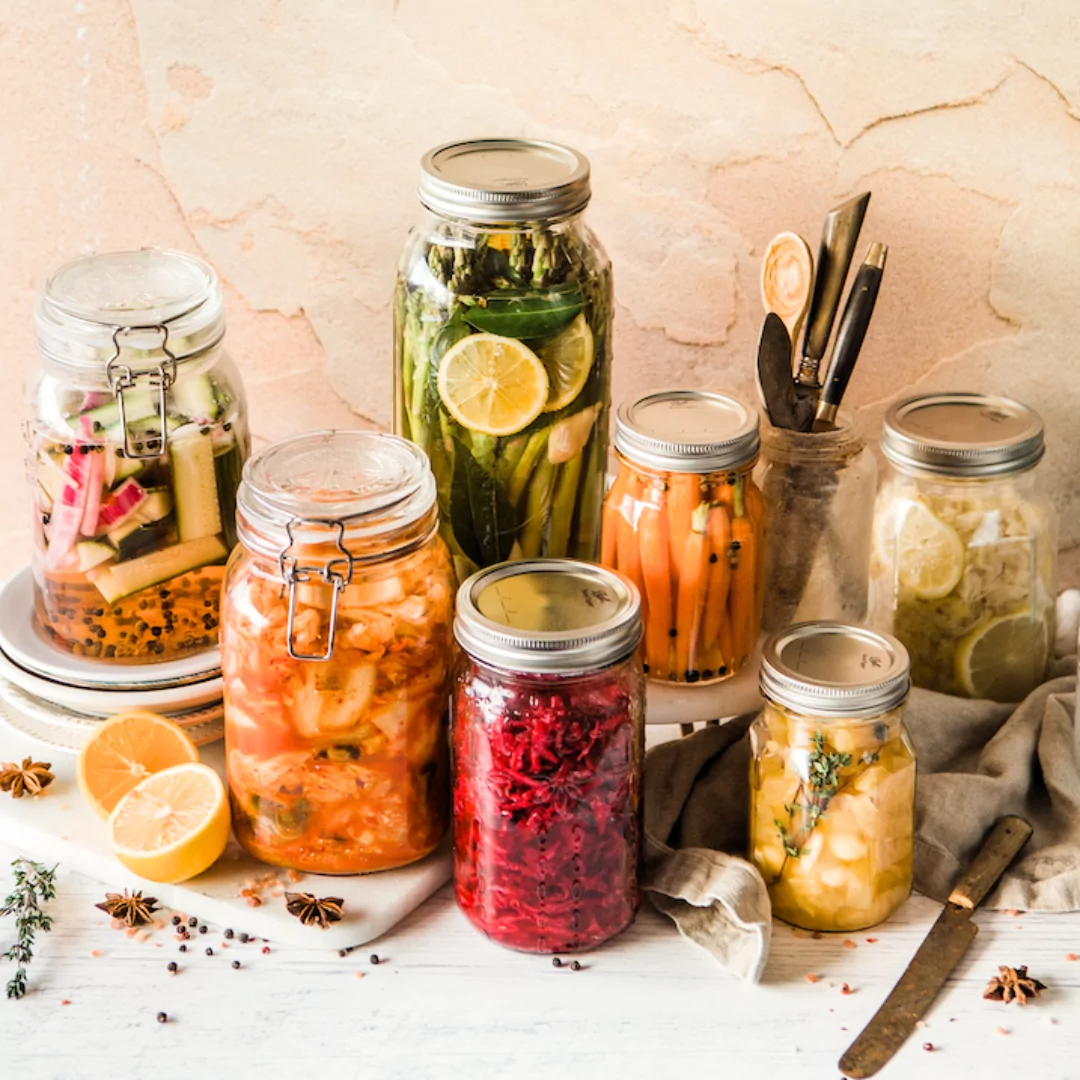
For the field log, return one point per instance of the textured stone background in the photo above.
(281, 140)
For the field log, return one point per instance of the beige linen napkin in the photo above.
(976, 761)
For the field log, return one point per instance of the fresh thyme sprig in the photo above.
(34, 885)
(824, 781)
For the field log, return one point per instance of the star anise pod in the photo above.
(31, 777)
(132, 909)
(312, 911)
(1011, 983)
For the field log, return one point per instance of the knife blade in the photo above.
(850, 335)
(938, 955)
(774, 372)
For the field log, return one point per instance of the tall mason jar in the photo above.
(336, 652)
(820, 489)
(547, 721)
(136, 438)
(964, 557)
(832, 777)
(502, 340)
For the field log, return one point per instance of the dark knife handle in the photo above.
(1009, 836)
(852, 330)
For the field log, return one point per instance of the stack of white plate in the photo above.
(58, 698)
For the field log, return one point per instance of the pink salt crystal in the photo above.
(141, 935)
(849, 944)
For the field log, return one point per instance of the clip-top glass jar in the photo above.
(547, 722)
(336, 655)
(685, 522)
(963, 569)
(832, 777)
(502, 339)
(137, 437)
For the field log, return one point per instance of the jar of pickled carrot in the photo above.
(548, 712)
(685, 522)
(336, 655)
(136, 437)
(832, 777)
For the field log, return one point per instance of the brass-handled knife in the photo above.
(938, 955)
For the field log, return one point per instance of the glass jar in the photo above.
(685, 522)
(547, 721)
(336, 654)
(832, 777)
(502, 342)
(136, 439)
(964, 558)
(820, 490)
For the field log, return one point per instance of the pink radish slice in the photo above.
(95, 475)
(121, 504)
(64, 522)
(92, 399)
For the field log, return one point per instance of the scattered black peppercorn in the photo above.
(174, 967)
(183, 948)
(202, 929)
(228, 935)
(192, 921)
(244, 938)
(176, 920)
(556, 962)
(162, 1017)
(575, 965)
(236, 964)
(374, 958)
(209, 951)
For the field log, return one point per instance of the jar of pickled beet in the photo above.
(137, 436)
(685, 522)
(832, 777)
(336, 655)
(547, 721)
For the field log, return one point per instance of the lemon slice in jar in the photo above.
(929, 553)
(568, 359)
(493, 385)
(1005, 658)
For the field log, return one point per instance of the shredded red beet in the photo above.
(547, 834)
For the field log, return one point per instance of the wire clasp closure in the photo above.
(336, 572)
(121, 378)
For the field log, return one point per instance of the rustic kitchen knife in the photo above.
(850, 335)
(774, 372)
(938, 955)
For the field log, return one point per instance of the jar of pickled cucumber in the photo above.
(137, 436)
(336, 649)
(832, 777)
(685, 522)
(963, 569)
(548, 743)
(502, 338)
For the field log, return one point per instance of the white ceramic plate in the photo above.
(28, 646)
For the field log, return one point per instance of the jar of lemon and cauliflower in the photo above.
(832, 777)
(964, 564)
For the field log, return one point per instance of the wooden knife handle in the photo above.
(1009, 835)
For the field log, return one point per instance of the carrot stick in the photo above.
(682, 497)
(741, 598)
(656, 572)
(719, 526)
(757, 511)
(627, 550)
(693, 582)
(609, 525)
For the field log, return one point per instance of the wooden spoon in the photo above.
(787, 281)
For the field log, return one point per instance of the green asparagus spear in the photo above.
(562, 506)
(531, 533)
(536, 445)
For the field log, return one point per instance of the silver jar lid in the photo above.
(687, 431)
(147, 304)
(370, 485)
(831, 669)
(504, 181)
(963, 435)
(548, 616)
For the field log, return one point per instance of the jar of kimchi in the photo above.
(832, 777)
(136, 438)
(685, 522)
(547, 719)
(336, 655)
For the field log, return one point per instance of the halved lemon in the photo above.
(126, 750)
(1005, 658)
(174, 825)
(493, 385)
(567, 359)
(929, 553)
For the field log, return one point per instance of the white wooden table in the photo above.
(447, 1003)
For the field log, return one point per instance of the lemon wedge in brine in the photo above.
(929, 553)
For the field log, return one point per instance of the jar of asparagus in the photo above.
(963, 569)
(685, 522)
(832, 777)
(137, 436)
(502, 341)
(335, 655)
